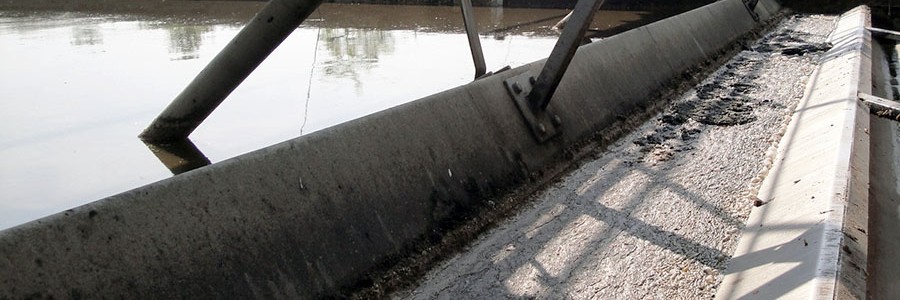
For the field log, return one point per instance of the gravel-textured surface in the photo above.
(659, 213)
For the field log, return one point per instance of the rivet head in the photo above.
(542, 128)
(556, 120)
(532, 80)
(516, 87)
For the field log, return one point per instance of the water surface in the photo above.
(79, 82)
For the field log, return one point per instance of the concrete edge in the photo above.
(313, 215)
(809, 238)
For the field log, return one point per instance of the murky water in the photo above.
(78, 84)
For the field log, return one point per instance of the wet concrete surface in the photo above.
(657, 215)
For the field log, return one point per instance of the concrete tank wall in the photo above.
(311, 215)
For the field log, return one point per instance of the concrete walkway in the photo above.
(658, 214)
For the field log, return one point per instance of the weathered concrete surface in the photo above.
(809, 238)
(313, 215)
(657, 215)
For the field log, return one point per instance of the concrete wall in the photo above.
(311, 215)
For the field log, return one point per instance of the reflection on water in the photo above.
(78, 84)
(184, 41)
(184, 38)
(86, 35)
(354, 50)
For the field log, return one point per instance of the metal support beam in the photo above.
(562, 23)
(881, 107)
(562, 53)
(270, 27)
(474, 42)
(533, 94)
(751, 7)
(884, 33)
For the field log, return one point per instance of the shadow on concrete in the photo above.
(789, 280)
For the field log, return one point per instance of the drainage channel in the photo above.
(884, 177)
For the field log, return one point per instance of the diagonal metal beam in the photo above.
(271, 26)
(751, 8)
(562, 53)
(532, 94)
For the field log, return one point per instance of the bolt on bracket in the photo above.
(532, 94)
(543, 124)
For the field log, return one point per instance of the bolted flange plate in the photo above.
(543, 124)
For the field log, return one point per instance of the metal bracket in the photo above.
(543, 124)
(532, 94)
